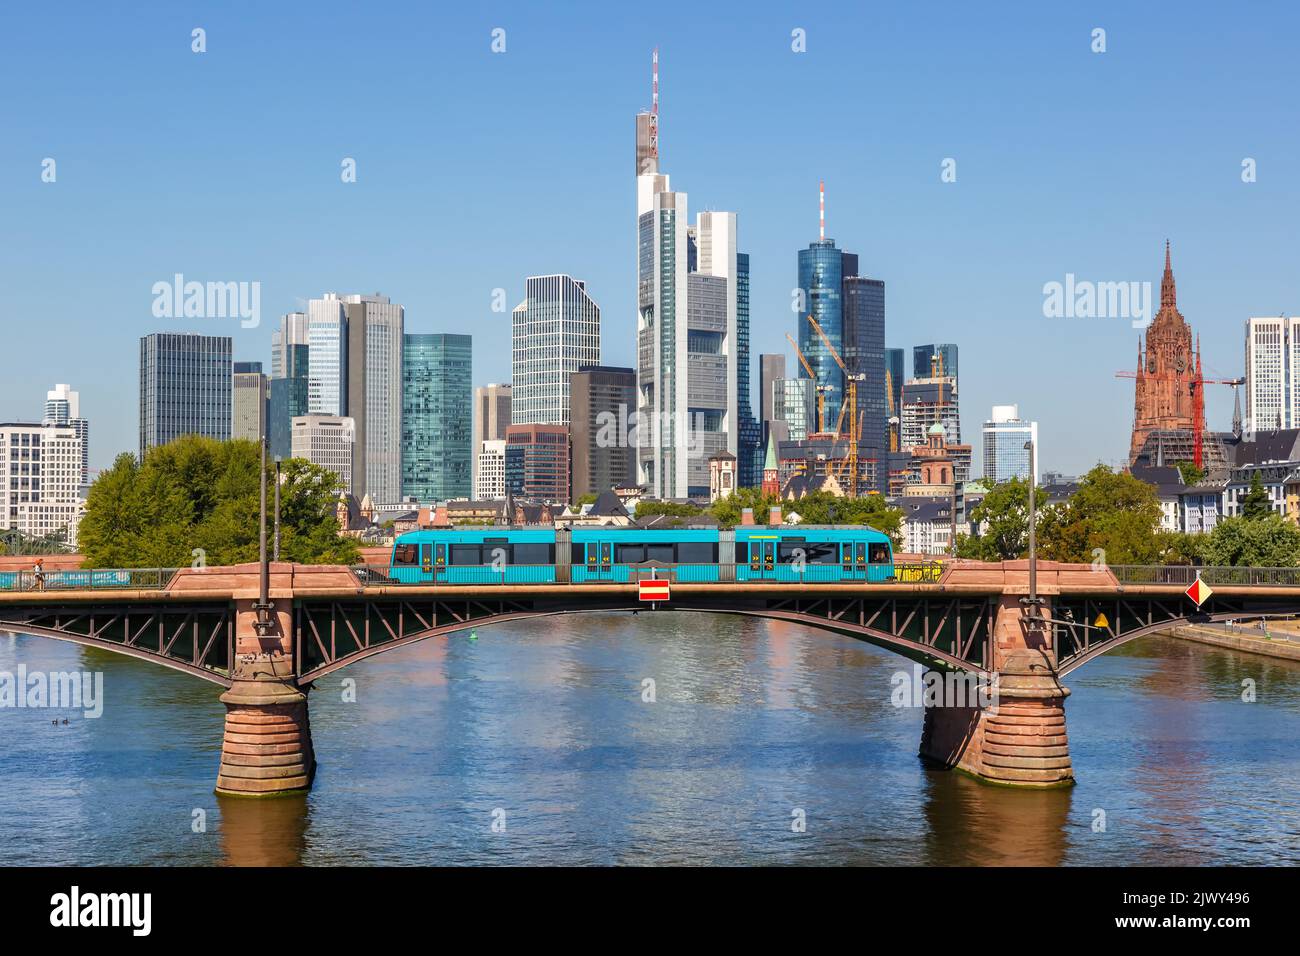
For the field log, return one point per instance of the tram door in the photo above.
(762, 559)
(600, 560)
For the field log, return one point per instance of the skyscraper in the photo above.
(850, 310)
(897, 375)
(490, 470)
(923, 362)
(1005, 435)
(1272, 370)
(770, 369)
(436, 447)
(63, 407)
(492, 410)
(327, 340)
(326, 440)
(602, 400)
(689, 315)
(375, 329)
(287, 400)
(556, 331)
(248, 401)
(185, 387)
(292, 331)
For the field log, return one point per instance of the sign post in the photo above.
(1198, 591)
(653, 590)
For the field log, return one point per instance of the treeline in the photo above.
(1114, 518)
(197, 499)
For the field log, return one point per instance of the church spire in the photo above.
(1168, 295)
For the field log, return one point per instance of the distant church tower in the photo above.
(771, 483)
(1162, 398)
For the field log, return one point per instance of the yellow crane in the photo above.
(850, 401)
(893, 411)
(821, 389)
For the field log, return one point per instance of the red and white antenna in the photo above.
(821, 189)
(654, 105)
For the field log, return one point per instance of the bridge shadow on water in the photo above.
(263, 832)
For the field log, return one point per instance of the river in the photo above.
(757, 742)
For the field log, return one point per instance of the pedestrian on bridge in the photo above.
(38, 573)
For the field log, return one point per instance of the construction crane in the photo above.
(850, 402)
(821, 389)
(893, 411)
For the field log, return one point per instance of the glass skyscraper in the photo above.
(288, 400)
(749, 456)
(923, 355)
(1005, 437)
(437, 402)
(185, 387)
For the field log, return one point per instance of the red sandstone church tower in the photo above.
(1167, 367)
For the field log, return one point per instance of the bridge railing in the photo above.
(79, 579)
(524, 574)
(1183, 574)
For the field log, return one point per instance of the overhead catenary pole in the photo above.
(262, 622)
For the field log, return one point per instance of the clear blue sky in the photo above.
(477, 169)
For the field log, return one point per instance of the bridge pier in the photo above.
(266, 750)
(1020, 740)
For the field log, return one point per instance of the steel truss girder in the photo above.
(1078, 638)
(195, 639)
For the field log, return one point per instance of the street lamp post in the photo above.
(276, 547)
(262, 624)
(1033, 542)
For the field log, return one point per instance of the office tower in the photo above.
(923, 360)
(63, 407)
(770, 369)
(689, 285)
(325, 440)
(1005, 436)
(1272, 367)
(537, 462)
(850, 310)
(794, 405)
(248, 401)
(491, 416)
(288, 400)
(436, 448)
(925, 402)
(897, 375)
(603, 403)
(1164, 404)
(490, 471)
(749, 441)
(185, 387)
(374, 395)
(327, 340)
(40, 480)
(556, 331)
(292, 331)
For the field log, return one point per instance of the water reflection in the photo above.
(660, 738)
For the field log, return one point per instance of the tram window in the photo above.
(697, 552)
(466, 554)
(406, 554)
(879, 553)
(578, 553)
(629, 553)
(659, 552)
(742, 552)
(814, 552)
(533, 554)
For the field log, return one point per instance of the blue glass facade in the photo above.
(821, 282)
(864, 353)
(186, 387)
(897, 375)
(921, 359)
(749, 456)
(437, 413)
(288, 399)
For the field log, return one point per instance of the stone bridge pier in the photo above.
(266, 750)
(1020, 740)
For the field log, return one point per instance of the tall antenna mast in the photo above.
(654, 105)
(821, 189)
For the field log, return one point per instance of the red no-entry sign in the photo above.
(653, 590)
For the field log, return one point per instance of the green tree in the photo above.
(727, 510)
(1004, 516)
(1113, 516)
(1256, 503)
(1189, 472)
(1267, 542)
(198, 493)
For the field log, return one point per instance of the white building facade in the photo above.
(40, 480)
(1272, 364)
(326, 440)
(555, 332)
(1005, 436)
(490, 471)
